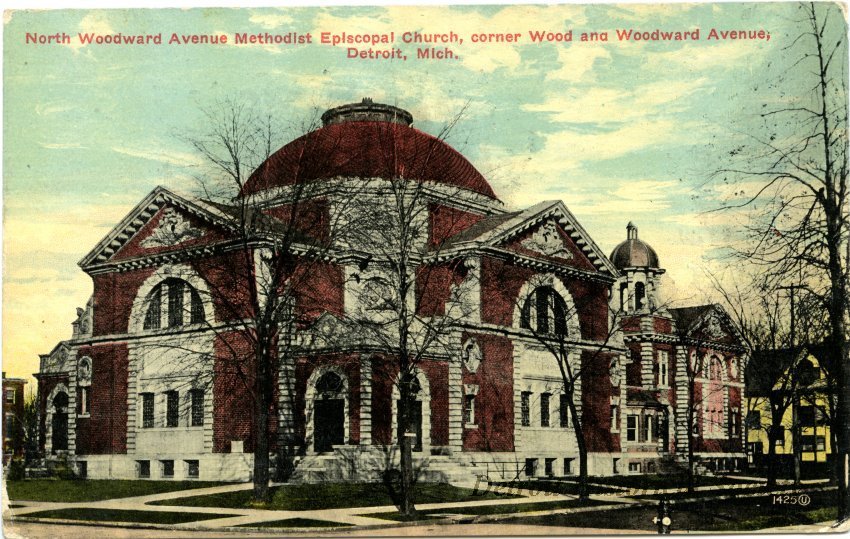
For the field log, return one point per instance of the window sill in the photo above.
(83, 416)
(470, 426)
(170, 429)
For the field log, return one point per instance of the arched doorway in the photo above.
(59, 423)
(414, 408)
(328, 412)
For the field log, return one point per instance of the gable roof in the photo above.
(766, 367)
(142, 213)
(495, 229)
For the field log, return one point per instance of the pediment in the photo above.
(549, 241)
(162, 221)
(547, 231)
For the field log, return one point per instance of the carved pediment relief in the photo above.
(548, 241)
(714, 328)
(172, 229)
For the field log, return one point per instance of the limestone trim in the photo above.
(310, 397)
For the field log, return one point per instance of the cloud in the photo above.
(169, 157)
(95, 22)
(577, 62)
(61, 145)
(271, 21)
(604, 105)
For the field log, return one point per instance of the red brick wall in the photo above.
(494, 408)
(384, 373)
(501, 283)
(233, 406)
(662, 325)
(433, 285)
(596, 402)
(445, 222)
(113, 299)
(350, 366)
(311, 217)
(320, 288)
(105, 431)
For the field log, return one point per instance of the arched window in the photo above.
(545, 311)
(640, 296)
(329, 385)
(624, 297)
(714, 405)
(173, 303)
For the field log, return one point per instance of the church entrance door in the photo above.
(60, 423)
(329, 421)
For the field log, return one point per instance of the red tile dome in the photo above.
(367, 140)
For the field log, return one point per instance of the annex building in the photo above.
(148, 385)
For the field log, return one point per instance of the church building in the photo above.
(147, 386)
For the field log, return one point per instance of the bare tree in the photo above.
(800, 160)
(549, 328)
(263, 283)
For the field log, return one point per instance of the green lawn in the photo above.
(63, 490)
(740, 514)
(121, 515)
(332, 496)
(296, 523)
(503, 509)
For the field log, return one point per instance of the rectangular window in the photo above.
(806, 416)
(735, 421)
(469, 409)
(175, 304)
(82, 469)
(193, 469)
(144, 467)
(568, 466)
(530, 467)
(544, 410)
(172, 408)
(631, 428)
(634, 467)
(197, 407)
(152, 318)
(663, 362)
(821, 443)
(198, 315)
(167, 468)
(549, 467)
(10, 396)
(564, 411)
(780, 438)
(807, 443)
(646, 433)
(84, 400)
(754, 419)
(615, 417)
(525, 405)
(147, 410)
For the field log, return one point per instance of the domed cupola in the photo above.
(368, 140)
(634, 253)
(637, 288)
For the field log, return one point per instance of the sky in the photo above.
(620, 131)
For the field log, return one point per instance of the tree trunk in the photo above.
(261, 430)
(583, 487)
(406, 505)
(772, 435)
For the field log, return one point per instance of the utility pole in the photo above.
(795, 402)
